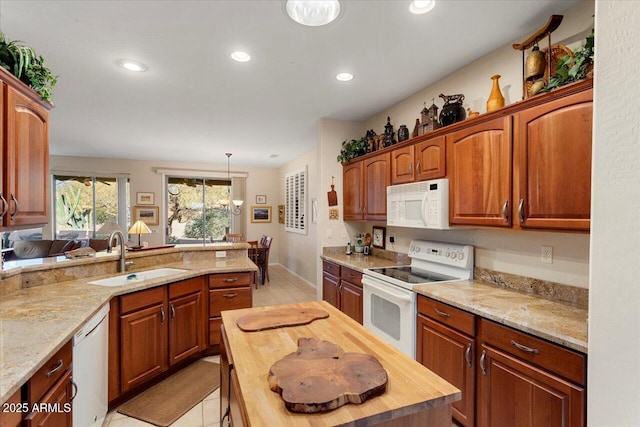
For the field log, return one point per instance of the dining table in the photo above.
(258, 254)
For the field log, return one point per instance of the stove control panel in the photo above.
(442, 253)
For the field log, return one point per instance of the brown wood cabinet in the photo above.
(143, 336)
(553, 164)
(51, 385)
(342, 288)
(24, 154)
(418, 162)
(365, 188)
(11, 415)
(448, 350)
(530, 169)
(523, 380)
(187, 319)
(479, 161)
(227, 291)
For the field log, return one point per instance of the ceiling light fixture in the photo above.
(344, 77)
(313, 13)
(131, 65)
(241, 56)
(419, 7)
(228, 205)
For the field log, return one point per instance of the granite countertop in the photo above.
(555, 321)
(36, 322)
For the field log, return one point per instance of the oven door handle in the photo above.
(423, 213)
(387, 292)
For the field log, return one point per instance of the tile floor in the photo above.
(284, 288)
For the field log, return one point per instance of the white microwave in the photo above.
(422, 204)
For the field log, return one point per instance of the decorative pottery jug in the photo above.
(403, 133)
(452, 111)
(496, 100)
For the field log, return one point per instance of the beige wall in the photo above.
(516, 252)
(298, 252)
(143, 178)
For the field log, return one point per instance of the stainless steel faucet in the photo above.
(123, 250)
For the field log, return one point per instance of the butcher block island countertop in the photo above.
(414, 395)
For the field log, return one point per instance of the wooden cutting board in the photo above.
(279, 318)
(321, 377)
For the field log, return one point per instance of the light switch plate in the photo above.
(546, 254)
(221, 254)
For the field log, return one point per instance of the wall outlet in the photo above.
(221, 254)
(392, 238)
(329, 233)
(343, 233)
(546, 254)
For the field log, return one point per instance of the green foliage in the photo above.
(215, 220)
(570, 69)
(352, 149)
(24, 63)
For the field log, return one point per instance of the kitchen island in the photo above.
(414, 395)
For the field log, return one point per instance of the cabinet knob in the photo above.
(482, 368)
(173, 311)
(17, 209)
(229, 280)
(525, 348)
(161, 315)
(442, 313)
(56, 369)
(5, 204)
(230, 295)
(467, 355)
(521, 210)
(505, 215)
(418, 168)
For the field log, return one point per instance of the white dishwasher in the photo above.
(90, 370)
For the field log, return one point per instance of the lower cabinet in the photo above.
(232, 410)
(507, 377)
(342, 288)
(227, 291)
(157, 328)
(52, 389)
(446, 345)
(11, 414)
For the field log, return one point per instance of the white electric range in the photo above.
(389, 305)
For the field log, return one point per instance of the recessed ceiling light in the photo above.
(419, 7)
(131, 65)
(313, 13)
(241, 56)
(344, 77)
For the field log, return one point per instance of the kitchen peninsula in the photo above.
(43, 306)
(414, 395)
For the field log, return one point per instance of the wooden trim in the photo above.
(18, 85)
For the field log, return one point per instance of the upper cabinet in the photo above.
(418, 162)
(552, 180)
(365, 188)
(479, 163)
(24, 155)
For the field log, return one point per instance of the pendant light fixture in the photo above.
(313, 13)
(228, 205)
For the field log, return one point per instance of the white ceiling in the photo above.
(194, 103)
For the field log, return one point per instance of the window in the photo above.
(295, 190)
(83, 204)
(194, 211)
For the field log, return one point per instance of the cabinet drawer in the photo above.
(185, 287)
(142, 299)
(554, 358)
(228, 299)
(331, 268)
(60, 397)
(11, 417)
(214, 330)
(47, 376)
(351, 276)
(225, 280)
(443, 313)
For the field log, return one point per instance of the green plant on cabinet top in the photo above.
(23, 62)
(572, 69)
(352, 149)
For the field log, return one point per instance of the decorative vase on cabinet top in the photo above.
(496, 100)
(452, 111)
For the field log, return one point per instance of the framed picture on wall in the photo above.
(281, 214)
(378, 238)
(260, 213)
(145, 198)
(261, 199)
(148, 214)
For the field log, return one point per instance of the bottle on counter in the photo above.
(348, 248)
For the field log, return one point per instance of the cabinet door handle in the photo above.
(484, 355)
(525, 348)
(521, 210)
(5, 204)
(505, 215)
(162, 315)
(56, 369)
(411, 169)
(418, 168)
(17, 206)
(442, 313)
(230, 295)
(75, 390)
(230, 280)
(173, 311)
(467, 355)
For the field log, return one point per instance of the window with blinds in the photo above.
(295, 190)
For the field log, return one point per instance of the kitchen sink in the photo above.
(126, 279)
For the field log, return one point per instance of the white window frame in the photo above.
(295, 194)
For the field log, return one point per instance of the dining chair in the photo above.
(234, 237)
(267, 244)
